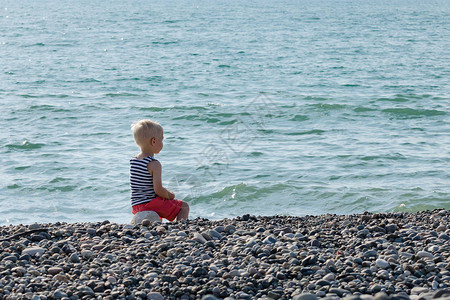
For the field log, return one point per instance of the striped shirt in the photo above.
(141, 181)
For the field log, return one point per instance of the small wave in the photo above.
(316, 98)
(22, 168)
(226, 192)
(229, 122)
(89, 80)
(13, 186)
(203, 118)
(164, 42)
(25, 145)
(413, 113)
(314, 131)
(299, 118)
(243, 192)
(181, 108)
(363, 109)
(119, 94)
(256, 154)
(58, 179)
(65, 188)
(171, 21)
(147, 79)
(326, 106)
(34, 45)
(228, 115)
(51, 108)
(396, 156)
(153, 109)
(58, 96)
(394, 99)
(28, 96)
(155, 78)
(421, 204)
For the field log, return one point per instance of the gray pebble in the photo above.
(87, 253)
(32, 251)
(199, 238)
(34, 226)
(154, 296)
(229, 228)
(315, 243)
(424, 254)
(417, 290)
(74, 258)
(322, 282)
(370, 253)
(329, 277)
(58, 294)
(270, 240)
(381, 296)
(215, 234)
(305, 296)
(381, 263)
(54, 270)
(209, 297)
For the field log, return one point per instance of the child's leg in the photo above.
(183, 214)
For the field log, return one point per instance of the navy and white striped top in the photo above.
(141, 181)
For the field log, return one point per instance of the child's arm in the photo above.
(154, 167)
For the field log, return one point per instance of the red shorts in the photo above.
(167, 209)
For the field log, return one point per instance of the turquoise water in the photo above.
(281, 107)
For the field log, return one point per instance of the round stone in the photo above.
(154, 296)
(54, 270)
(38, 251)
(424, 254)
(74, 258)
(381, 263)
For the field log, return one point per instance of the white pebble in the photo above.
(329, 277)
(381, 263)
(34, 251)
(424, 254)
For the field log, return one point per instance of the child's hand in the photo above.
(170, 195)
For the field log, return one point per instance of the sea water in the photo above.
(269, 107)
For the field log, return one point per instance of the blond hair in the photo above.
(144, 130)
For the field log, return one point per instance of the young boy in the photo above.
(147, 192)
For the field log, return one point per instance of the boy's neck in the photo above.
(144, 154)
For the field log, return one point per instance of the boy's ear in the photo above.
(153, 140)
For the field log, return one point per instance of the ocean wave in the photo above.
(21, 168)
(243, 192)
(121, 94)
(363, 109)
(178, 108)
(25, 145)
(397, 98)
(329, 107)
(408, 113)
(52, 189)
(307, 132)
(50, 108)
(13, 186)
(299, 118)
(395, 156)
(421, 203)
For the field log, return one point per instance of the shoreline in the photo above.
(359, 256)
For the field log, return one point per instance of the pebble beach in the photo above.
(360, 256)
